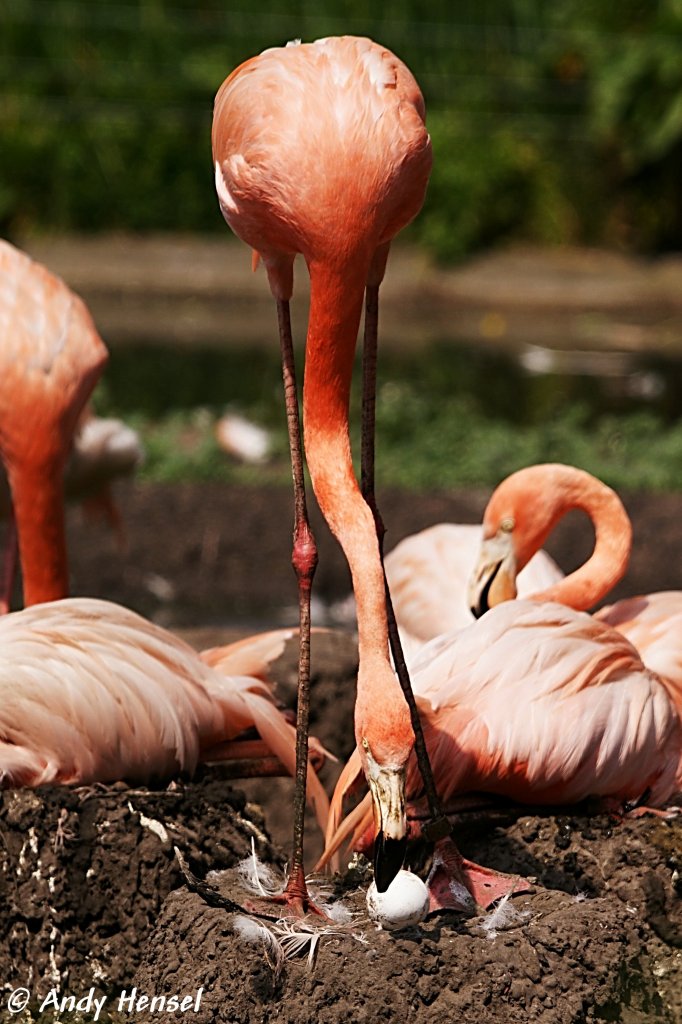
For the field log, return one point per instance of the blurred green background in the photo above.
(552, 123)
(555, 122)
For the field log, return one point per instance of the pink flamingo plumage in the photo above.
(539, 703)
(51, 357)
(536, 701)
(92, 692)
(321, 149)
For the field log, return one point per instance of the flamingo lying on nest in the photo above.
(321, 149)
(539, 703)
(519, 517)
(51, 357)
(92, 692)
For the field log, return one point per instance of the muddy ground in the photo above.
(91, 889)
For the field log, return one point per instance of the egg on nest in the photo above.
(405, 902)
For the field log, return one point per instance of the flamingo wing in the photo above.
(542, 704)
(653, 624)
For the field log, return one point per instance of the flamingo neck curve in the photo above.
(561, 489)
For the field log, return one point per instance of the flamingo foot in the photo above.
(455, 883)
(620, 810)
(296, 898)
(664, 813)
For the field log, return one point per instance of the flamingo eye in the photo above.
(365, 743)
(507, 524)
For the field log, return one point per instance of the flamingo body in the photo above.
(539, 703)
(320, 147)
(92, 692)
(653, 624)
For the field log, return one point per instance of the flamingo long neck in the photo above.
(38, 499)
(336, 296)
(606, 566)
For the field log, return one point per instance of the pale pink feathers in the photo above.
(428, 573)
(90, 691)
(539, 703)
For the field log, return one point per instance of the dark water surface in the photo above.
(523, 387)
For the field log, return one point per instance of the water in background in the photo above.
(523, 387)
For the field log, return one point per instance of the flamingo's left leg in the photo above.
(9, 566)
(439, 827)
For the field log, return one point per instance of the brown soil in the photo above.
(94, 897)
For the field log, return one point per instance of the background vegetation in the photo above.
(551, 121)
(461, 417)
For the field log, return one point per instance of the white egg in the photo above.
(405, 902)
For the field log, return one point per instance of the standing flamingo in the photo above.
(539, 703)
(92, 692)
(321, 149)
(520, 515)
(51, 357)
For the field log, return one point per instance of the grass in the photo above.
(426, 448)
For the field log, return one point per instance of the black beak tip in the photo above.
(483, 605)
(389, 855)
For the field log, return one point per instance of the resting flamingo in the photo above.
(539, 703)
(51, 357)
(520, 515)
(92, 692)
(321, 149)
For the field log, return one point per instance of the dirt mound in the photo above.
(603, 946)
(84, 874)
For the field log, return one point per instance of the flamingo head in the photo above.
(516, 523)
(494, 578)
(385, 742)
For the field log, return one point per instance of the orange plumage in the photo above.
(51, 356)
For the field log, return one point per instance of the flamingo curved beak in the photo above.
(494, 578)
(387, 786)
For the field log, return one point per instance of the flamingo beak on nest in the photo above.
(494, 578)
(387, 786)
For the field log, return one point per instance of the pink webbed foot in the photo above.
(664, 813)
(620, 810)
(296, 898)
(455, 883)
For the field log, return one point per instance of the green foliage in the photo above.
(424, 450)
(446, 418)
(550, 121)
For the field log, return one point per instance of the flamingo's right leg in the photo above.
(304, 561)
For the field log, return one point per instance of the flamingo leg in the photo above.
(439, 826)
(304, 561)
(9, 566)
